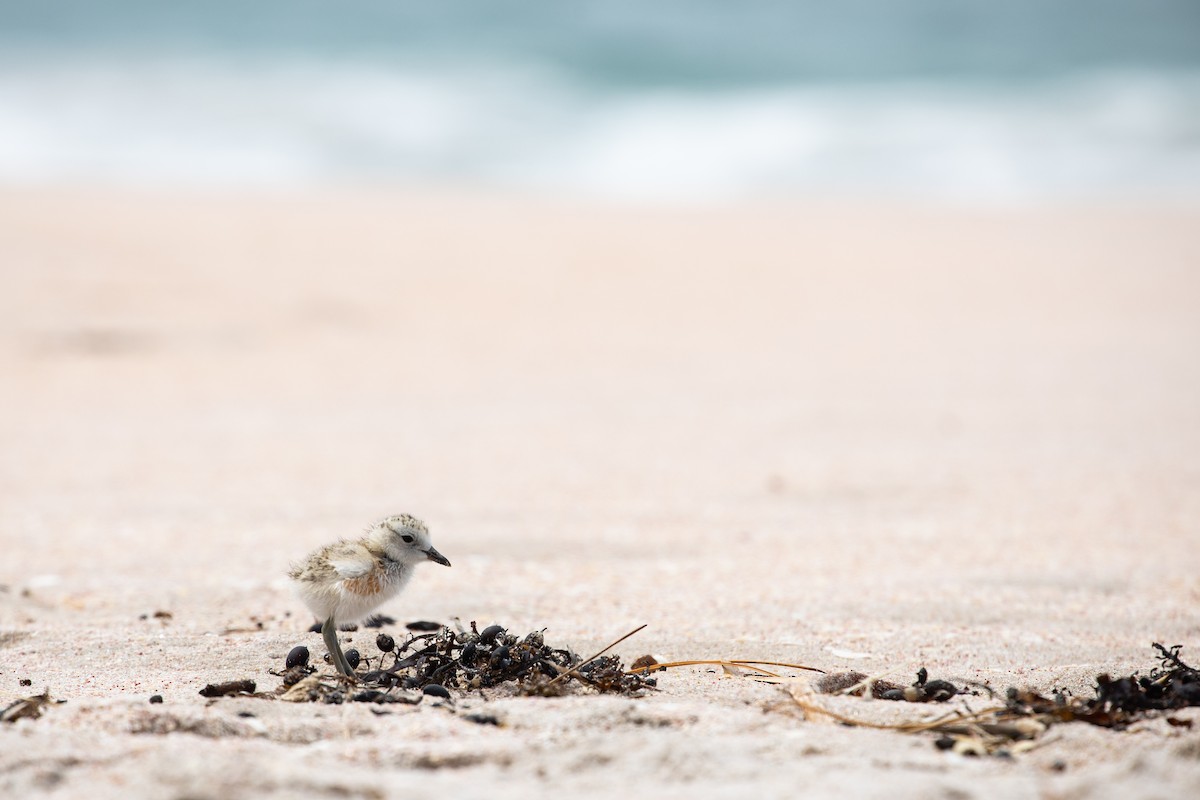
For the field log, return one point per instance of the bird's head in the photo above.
(406, 539)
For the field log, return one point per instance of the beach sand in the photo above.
(865, 436)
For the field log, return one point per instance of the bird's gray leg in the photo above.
(329, 634)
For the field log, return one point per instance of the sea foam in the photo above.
(279, 121)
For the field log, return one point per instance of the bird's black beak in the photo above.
(436, 557)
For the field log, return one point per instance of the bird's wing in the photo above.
(352, 561)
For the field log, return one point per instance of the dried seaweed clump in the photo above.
(1118, 702)
(1026, 715)
(468, 660)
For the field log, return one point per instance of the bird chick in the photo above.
(347, 580)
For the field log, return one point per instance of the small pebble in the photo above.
(437, 690)
(155, 699)
(353, 658)
(297, 656)
(26, 681)
(423, 626)
(500, 658)
(489, 633)
(940, 691)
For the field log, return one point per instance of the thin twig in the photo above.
(584, 663)
(745, 663)
(908, 727)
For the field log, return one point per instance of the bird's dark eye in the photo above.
(407, 539)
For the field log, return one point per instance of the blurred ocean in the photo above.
(648, 100)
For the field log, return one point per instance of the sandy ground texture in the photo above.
(852, 436)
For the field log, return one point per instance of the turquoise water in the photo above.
(646, 100)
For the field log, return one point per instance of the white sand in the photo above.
(965, 440)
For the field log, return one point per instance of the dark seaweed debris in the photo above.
(466, 660)
(1118, 702)
(922, 690)
(245, 686)
(1016, 726)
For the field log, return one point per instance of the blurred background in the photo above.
(813, 312)
(673, 100)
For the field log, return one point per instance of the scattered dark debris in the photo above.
(435, 663)
(163, 615)
(28, 707)
(438, 663)
(294, 674)
(922, 690)
(378, 621)
(25, 682)
(482, 719)
(1026, 715)
(156, 699)
(854, 683)
(1118, 702)
(607, 675)
(645, 663)
(244, 686)
(297, 657)
(423, 626)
